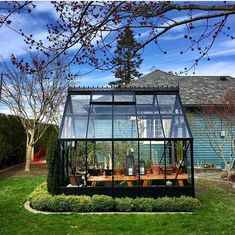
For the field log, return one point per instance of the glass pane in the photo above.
(151, 155)
(125, 127)
(101, 109)
(99, 164)
(80, 126)
(79, 104)
(144, 99)
(123, 109)
(179, 127)
(102, 97)
(177, 108)
(77, 162)
(100, 127)
(125, 163)
(166, 123)
(166, 103)
(144, 104)
(124, 97)
(67, 128)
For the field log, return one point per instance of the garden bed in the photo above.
(40, 200)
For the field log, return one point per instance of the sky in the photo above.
(222, 56)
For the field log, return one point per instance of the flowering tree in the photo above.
(90, 28)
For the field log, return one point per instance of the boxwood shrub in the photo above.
(40, 199)
(124, 204)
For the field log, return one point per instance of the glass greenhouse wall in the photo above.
(126, 142)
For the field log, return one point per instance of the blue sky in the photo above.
(222, 55)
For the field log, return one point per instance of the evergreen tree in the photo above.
(125, 62)
(53, 165)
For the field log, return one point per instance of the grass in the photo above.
(217, 215)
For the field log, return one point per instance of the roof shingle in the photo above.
(194, 90)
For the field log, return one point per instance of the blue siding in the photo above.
(203, 152)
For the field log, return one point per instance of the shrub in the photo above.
(82, 204)
(41, 200)
(187, 204)
(124, 204)
(143, 204)
(102, 203)
(164, 204)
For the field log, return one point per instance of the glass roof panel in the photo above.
(124, 109)
(101, 110)
(124, 97)
(102, 97)
(144, 99)
(78, 104)
(158, 116)
(165, 103)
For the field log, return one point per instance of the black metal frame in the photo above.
(126, 191)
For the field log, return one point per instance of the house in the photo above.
(197, 92)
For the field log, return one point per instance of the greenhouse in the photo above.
(126, 141)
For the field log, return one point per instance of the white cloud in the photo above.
(45, 6)
(221, 68)
(223, 52)
(217, 69)
(224, 48)
(172, 37)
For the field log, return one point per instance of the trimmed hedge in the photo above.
(40, 199)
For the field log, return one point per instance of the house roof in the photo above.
(194, 90)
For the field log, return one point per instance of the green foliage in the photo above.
(125, 62)
(187, 204)
(79, 203)
(41, 200)
(148, 163)
(124, 204)
(53, 164)
(102, 203)
(12, 141)
(144, 204)
(166, 204)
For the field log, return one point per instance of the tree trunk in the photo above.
(29, 149)
(227, 170)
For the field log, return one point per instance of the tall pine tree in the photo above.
(125, 62)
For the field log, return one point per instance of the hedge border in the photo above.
(28, 207)
(41, 200)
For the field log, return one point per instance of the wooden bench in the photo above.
(147, 179)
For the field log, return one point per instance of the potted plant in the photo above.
(155, 167)
(148, 167)
(118, 159)
(168, 170)
(108, 165)
(178, 167)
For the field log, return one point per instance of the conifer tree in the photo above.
(126, 63)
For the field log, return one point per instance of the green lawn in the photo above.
(217, 215)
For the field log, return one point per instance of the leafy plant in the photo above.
(148, 163)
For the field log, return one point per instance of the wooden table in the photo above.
(147, 179)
